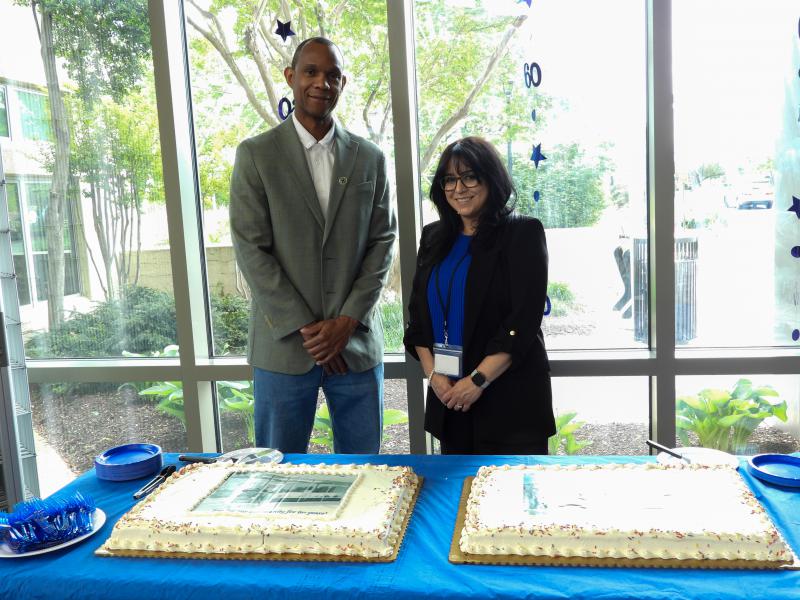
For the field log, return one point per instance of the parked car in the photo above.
(760, 195)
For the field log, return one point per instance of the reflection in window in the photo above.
(34, 116)
(38, 197)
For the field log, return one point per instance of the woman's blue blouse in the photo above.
(459, 258)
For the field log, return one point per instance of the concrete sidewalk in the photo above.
(53, 471)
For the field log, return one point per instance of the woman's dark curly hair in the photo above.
(483, 159)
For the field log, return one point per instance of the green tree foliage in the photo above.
(570, 184)
(116, 155)
(105, 43)
(706, 171)
(238, 44)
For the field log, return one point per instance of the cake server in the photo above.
(243, 455)
(669, 451)
(154, 483)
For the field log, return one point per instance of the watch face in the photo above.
(478, 379)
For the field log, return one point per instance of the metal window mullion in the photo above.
(186, 251)
(400, 19)
(661, 218)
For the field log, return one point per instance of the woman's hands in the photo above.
(441, 384)
(461, 395)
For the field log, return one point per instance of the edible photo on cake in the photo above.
(277, 493)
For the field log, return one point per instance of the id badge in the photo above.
(447, 360)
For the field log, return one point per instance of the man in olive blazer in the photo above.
(315, 271)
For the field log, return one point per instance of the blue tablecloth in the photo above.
(421, 570)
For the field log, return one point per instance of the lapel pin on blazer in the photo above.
(342, 180)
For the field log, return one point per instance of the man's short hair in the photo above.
(315, 40)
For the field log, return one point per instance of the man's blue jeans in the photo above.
(285, 407)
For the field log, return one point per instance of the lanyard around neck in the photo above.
(446, 307)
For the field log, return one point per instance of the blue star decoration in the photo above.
(795, 208)
(796, 334)
(528, 2)
(538, 156)
(284, 29)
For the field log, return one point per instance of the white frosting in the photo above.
(619, 511)
(365, 523)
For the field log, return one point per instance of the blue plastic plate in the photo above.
(780, 469)
(129, 461)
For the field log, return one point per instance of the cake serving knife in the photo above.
(154, 483)
(669, 451)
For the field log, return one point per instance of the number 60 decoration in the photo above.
(533, 74)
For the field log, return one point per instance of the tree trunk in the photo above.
(54, 219)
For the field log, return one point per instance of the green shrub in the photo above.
(323, 428)
(392, 315)
(229, 320)
(143, 321)
(565, 435)
(724, 419)
(561, 298)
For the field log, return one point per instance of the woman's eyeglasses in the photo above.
(468, 180)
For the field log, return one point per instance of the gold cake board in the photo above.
(459, 557)
(103, 551)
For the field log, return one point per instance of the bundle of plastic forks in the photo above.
(37, 524)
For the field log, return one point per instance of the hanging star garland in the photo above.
(284, 29)
(795, 207)
(538, 156)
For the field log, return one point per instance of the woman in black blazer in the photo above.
(480, 285)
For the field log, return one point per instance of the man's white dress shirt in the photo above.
(319, 155)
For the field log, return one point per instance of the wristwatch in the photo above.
(479, 379)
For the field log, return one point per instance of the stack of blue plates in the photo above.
(129, 461)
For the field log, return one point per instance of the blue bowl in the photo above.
(780, 469)
(128, 461)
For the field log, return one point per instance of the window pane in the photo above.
(741, 414)
(235, 401)
(4, 131)
(230, 106)
(92, 222)
(34, 116)
(611, 414)
(17, 243)
(73, 423)
(575, 149)
(735, 161)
